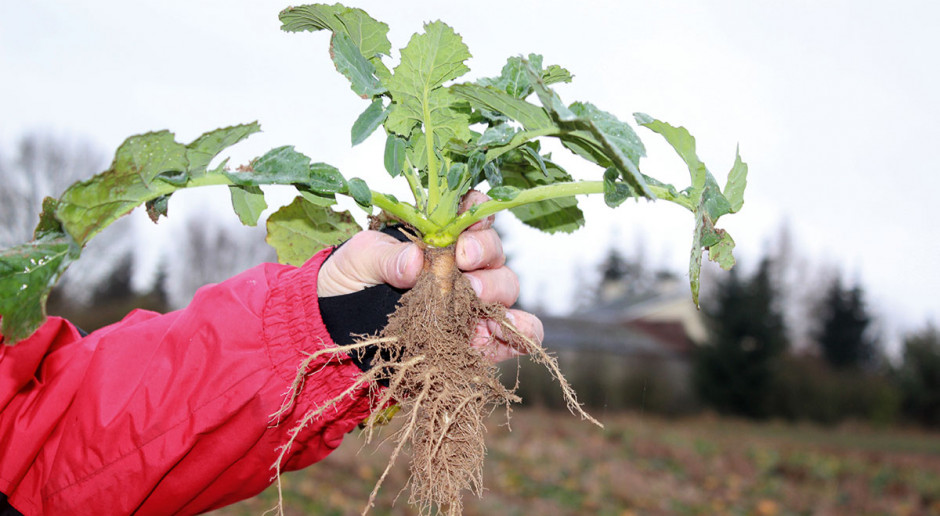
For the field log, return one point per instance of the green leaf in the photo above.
(421, 103)
(394, 155)
(317, 198)
(369, 35)
(620, 135)
(553, 215)
(87, 207)
(350, 62)
(456, 175)
(360, 192)
(158, 207)
(286, 166)
(737, 181)
(48, 225)
(531, 117)
(368, 121)
(301, 229)
(205, 148)
(27, 274)
(499, 134)
(554, 74)
(492, 173)
(503, 193)
(683, 143)
(248, 202)
(615, 192)
(514, 79)
(475, 165)
(595, 135)
(720, 252)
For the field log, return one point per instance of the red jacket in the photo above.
(162, 414)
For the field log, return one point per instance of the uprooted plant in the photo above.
(444, 139)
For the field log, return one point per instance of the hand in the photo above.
(371, 258)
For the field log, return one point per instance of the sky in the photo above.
(834, 105)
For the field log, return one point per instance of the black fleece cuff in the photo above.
(361, 313)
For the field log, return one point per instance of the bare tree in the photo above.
(212, 251)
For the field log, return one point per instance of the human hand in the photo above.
(371, 258)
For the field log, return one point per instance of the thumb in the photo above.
(370, 258)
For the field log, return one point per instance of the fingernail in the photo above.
(476, 284)
(473, 251)
(404, 259)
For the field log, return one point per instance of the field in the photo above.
(552, 463)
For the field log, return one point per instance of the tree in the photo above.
(919, 376)
(843, 332)
(734, 371)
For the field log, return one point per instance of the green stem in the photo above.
(404, 212)
(448, 234)
(421, 200)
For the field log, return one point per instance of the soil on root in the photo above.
(445, 387)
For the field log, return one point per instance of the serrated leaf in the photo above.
(555, 74)
(249, 203)
(301, 229)
(48, 226)
(618, 133)
(368, 34)
(27, 274)
(350, 62)
(551, 216)
(394, 155)
(87, 207)
(428, 61)
(531, 117)
(737, 181)
(368, 121)
(683, 143)
(721, 252)
(514, 79)
(158, 207)
(205, 148)
(360, 192)
(286, 166)
(503, 193)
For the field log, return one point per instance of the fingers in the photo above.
(495, 285)
(479, 250)
(369, 258)
(495, 341)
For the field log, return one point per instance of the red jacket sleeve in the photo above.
(162, 414)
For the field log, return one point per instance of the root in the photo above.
(540, 356)
(445, 387)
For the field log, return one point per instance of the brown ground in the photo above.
(553, 463)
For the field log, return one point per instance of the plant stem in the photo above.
(404, 212)
(449, 233)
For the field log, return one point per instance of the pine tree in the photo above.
(843, 333)
(920, 376)
(733, 372)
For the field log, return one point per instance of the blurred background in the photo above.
(809, 383)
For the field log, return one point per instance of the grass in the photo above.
(552, 463)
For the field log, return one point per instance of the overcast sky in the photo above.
(834, 105)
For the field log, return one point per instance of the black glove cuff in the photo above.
(362, 313)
